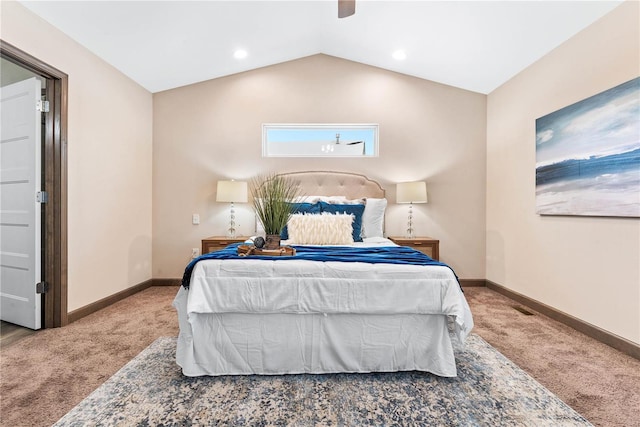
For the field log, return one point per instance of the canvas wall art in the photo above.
(588, 156)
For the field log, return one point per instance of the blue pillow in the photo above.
(355, 210)
(311, 208)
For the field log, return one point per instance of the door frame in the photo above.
(54, 161)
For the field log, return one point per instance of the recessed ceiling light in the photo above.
(399, 55)
(240, 54)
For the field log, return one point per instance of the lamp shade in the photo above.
(411, 192)
(232, 191)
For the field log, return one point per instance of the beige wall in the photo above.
(453, 139)
(587, 267)
(212, 130)
(109, 161)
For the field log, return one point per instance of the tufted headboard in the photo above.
(331, 183)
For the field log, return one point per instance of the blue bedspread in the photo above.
(371, 255)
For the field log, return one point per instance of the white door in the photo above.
(19, 211)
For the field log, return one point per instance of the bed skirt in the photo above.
(274, 344)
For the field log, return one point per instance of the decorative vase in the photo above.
(272, 241)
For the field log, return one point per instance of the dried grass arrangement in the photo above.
(273, 201)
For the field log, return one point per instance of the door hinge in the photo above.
(42, 197)
(42, 287)
(42, 106)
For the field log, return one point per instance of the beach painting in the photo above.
(588, 156)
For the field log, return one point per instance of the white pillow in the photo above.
(321, 229)
(336, 200)
(350, 202)
(373, 218)
(259, 228)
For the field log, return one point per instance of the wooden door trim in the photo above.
(55, 183)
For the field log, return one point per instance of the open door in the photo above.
(20, 212)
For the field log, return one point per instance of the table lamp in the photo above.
(233, 192)
(411, 192)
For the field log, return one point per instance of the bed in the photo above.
(259, 315)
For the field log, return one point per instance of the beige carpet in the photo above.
(598, 381)
(46, 374)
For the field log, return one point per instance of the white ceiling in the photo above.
(474, 45)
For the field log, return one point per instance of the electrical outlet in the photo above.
(195, 252)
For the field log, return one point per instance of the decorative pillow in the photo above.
(355, 210)
(341, 200)
(312, 208)
(373, 218)
(316, 199)
(352, 202)
(321, 229)
(259, 228)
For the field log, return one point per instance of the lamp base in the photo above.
(409, 232)
(231, 231)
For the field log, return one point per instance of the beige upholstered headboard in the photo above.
(330, 183)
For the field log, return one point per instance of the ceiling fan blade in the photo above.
(346, 8)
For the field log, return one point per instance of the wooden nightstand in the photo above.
(426, 245)
(215, 243)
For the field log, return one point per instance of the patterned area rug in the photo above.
(489, 391)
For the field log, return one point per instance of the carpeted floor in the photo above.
(598, 381)
(489, 391)
(46, 374)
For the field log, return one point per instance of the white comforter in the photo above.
(280, 288)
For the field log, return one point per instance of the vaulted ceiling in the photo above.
(474, 45)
